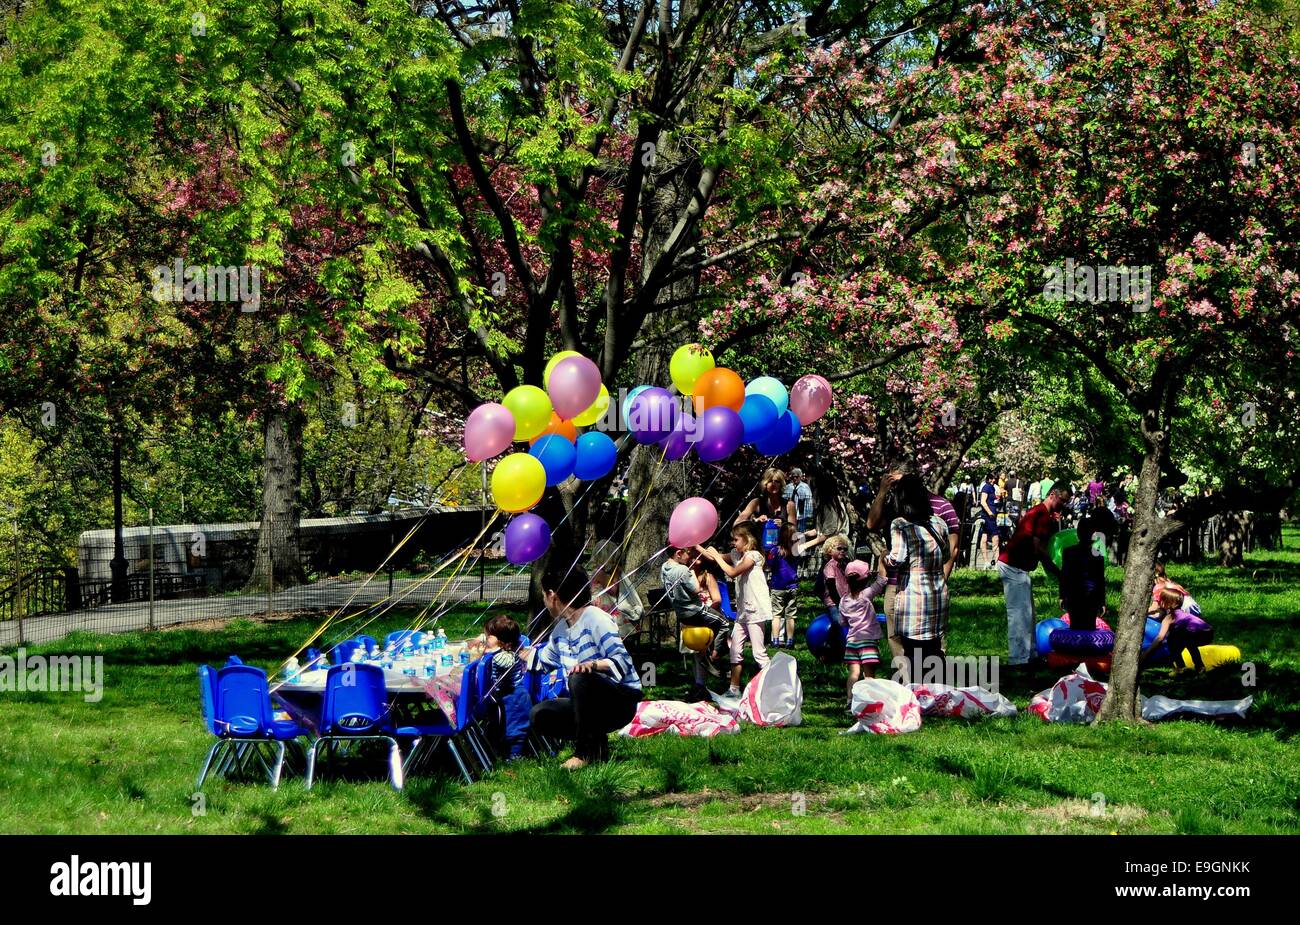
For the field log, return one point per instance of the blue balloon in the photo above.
(1043, 633)
(596, 455)
(557, 455)
(627, 403)
(782, 437)
(825, 639)
(772, 389)
(758, 414)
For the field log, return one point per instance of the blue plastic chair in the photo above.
(234, 660)
(355, 709)
(399, 637)
(341, 654)
(370, 642)
(244, 721)
(724, 602)
(427, 738)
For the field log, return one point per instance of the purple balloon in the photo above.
(652, 415)
(721, 432)
(527, 538)
(677, 444)
(782, 437)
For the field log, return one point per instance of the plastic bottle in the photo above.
(464, 655)
(292, 670)
(441, 639)
(771, 534)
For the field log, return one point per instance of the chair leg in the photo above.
(413, 757)
(311, 761)
(395, 775)
(279, 767)
(479, 748)
(455, 752)
(207, 764)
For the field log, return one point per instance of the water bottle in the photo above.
(441, 639)
(771, 534)
(464, 655)
(446, 659)
(292, 670)
(358, 654)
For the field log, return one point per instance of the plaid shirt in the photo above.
(921, 607)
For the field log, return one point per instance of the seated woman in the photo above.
(604, 687)
(1183, 629)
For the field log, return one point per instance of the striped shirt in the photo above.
(593, 636)
(921, 607)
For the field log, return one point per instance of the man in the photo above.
(944, 510)
(683, 593)
(801, 493)
(1023, 553)
(1035, 493)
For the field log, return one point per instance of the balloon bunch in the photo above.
(548, 420)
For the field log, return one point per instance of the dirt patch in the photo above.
(223, 622)
(1071, 810)
(746, 803)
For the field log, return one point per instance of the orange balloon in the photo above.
(556, 426)
(719, 387)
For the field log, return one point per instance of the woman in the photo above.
(918, 549)
(604, 688)
(770, 503)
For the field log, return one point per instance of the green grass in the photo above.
(127, 763)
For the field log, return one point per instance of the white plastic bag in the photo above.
(1157, 708)
(775, 696)
(963, 702)
(1075, 698)
(687, 719)
(882, 706)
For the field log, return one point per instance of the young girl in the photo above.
(858, 616)
(836, 583)
(710, 596)
(784, 585)
(753, 604)
(1163, 581)
(1184, 629)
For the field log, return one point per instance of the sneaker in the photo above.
(733, 692)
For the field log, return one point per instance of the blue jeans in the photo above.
(1019, 594)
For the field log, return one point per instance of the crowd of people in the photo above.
(915, 537)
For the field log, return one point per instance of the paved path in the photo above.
(329, 594)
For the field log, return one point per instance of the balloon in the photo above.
(564, 429)
(518, 482)
(689, 362)
(810, 398)
(557, 455)
(696, 638)
(596, 411)
(693, 521)
(781, 438)
(627, 403)
(489, 430)
(721, 432)
(758, 414)
(531, 408)
(1060, 542)
(596, 455)
(1043, 633)
(553, 362)
(773, 389)
(719, 387)
(574, 386)
(677, 444)
(653, 414)
(826, 639)
(527, 538)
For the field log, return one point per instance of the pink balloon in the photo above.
(489, 430)
(574, 386)
(693, 521)
(810, 398)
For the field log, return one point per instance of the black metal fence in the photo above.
(166, 575)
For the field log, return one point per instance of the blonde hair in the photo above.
(748, 535)
(839, 539)
(773, 475)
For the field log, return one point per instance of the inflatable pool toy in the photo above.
(697, 638)
(1043, 632)
(826, 639)
(1161, 655)
(1061, 660)
(1082, 642)
(1214, 657)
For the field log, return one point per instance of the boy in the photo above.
(683, 593)
(505, 687)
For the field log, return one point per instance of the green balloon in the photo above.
(1061, 542)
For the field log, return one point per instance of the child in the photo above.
(784, 586)
(834, 582)
(505, 688)
(753, 602)
(858, 616)
(1164, 581)
(1083, 579)
(710, 596)
(682, 589)
(1185, 630)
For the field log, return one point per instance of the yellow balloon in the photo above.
(531, 408)
(689, 362)
(596, 411)
(697, 638)
(551, 364)
(518, 482)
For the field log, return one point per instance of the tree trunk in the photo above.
(1232, 539)
(278, 559)
(1149, 530)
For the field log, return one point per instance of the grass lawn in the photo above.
(127, 764)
